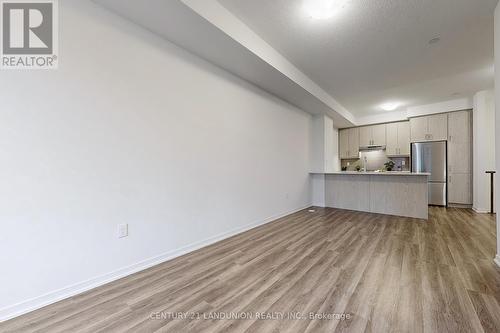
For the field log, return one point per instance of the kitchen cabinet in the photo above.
(372, 135)
(438, 127)
(344, 143)
(459, 185)
(418, 129)
(459, 158)
(349, 143)
(353, 143)
(429, 128)
(398, 139)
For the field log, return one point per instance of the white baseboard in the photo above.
(497, 260)
(481, 210)
(29, 305)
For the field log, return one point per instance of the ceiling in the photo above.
(377, 51)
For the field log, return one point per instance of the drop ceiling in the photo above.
(378, 51)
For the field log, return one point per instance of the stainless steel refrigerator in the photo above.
(431, 157)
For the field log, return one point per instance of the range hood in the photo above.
(371, 148)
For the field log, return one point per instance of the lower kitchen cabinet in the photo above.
(459, 185)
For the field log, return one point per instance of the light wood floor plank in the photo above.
(386, 273)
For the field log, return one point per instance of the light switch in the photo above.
(122, 230)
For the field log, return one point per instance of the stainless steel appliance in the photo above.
(431, 157)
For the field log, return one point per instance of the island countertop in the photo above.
(375, 173)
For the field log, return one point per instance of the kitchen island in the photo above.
(392, 193)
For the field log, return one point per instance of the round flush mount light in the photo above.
(435, 40)
(390, 106)
(322, 9)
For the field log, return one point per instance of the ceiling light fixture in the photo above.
(435, 40)
(391, 106)
(323, 9)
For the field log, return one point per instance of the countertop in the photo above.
(374, 173)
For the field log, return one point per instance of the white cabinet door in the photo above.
(378, 135)
(353, 143)
(344, 143)
(392, 139)
(459, 158)
(459, 142)
(459, 188)
(418, 129)
(365, 136)
(404, 138)
(438, 127)
(459, 127)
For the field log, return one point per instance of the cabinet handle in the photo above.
(450, 180)
(449, 138)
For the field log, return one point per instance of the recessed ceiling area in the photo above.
(370, 53)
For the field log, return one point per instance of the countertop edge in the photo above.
(354, 173)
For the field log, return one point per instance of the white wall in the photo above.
(497, 119)
(132, 129)
(324, 145)
(483, 148)
(324, 155)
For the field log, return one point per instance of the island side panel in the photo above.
(401, 196)
(350, 192)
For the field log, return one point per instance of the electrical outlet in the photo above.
(122, 230)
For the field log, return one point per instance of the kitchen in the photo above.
(400, 168)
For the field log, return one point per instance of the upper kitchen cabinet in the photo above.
(418, 129)
(353, 143)
(344, 143)
(372, 135)
(438, 127)
(349, 143)
(429, 128)
(398, 139)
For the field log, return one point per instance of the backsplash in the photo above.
(375, 161)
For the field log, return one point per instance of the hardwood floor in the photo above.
(388, 274)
